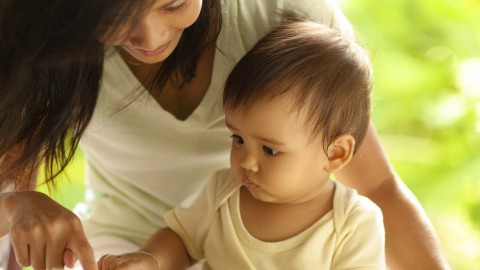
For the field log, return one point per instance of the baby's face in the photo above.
(273, 154)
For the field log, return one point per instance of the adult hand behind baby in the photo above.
(43, 233)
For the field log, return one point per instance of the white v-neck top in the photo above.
(140, 160)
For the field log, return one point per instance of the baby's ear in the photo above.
(339, 152)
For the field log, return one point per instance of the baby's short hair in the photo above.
(326, 74)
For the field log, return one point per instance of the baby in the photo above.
(298, 107)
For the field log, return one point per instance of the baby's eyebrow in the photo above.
(270, 141)
(229, 125)
(265, 139)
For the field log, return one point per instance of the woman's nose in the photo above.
(150, 34)
(249, 163)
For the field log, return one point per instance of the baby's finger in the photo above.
(105, 262)
(100, 262)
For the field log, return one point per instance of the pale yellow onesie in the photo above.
(351, 236)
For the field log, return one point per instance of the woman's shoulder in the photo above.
(251, 15)
(322, 11)
(326, 12)
(254, 18)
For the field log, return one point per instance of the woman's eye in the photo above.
(270, 151)
(237, 139)
(178, 7)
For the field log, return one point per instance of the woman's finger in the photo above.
(54, 252)
(20, 247)
(82, 250)
(37, 255)
(69, 258)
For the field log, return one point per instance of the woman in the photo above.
(146, 78)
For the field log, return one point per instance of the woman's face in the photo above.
(159, 30)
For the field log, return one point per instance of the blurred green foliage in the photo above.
(427, 123)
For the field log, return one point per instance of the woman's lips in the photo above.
(155, 52)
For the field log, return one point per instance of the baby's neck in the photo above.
(272, 222)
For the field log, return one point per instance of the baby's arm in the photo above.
(164, 250)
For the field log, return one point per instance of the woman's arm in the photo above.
(411, 242)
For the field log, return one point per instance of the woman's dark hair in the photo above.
(51, 64)
(325, 74)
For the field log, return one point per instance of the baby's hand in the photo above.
(128, 261)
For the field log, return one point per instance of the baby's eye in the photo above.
(269, 151)
(237, 139)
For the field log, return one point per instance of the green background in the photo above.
(428, 123)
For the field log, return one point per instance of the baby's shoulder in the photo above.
(351, 208)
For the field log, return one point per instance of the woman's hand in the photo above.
(43, 233)
(128, 261)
